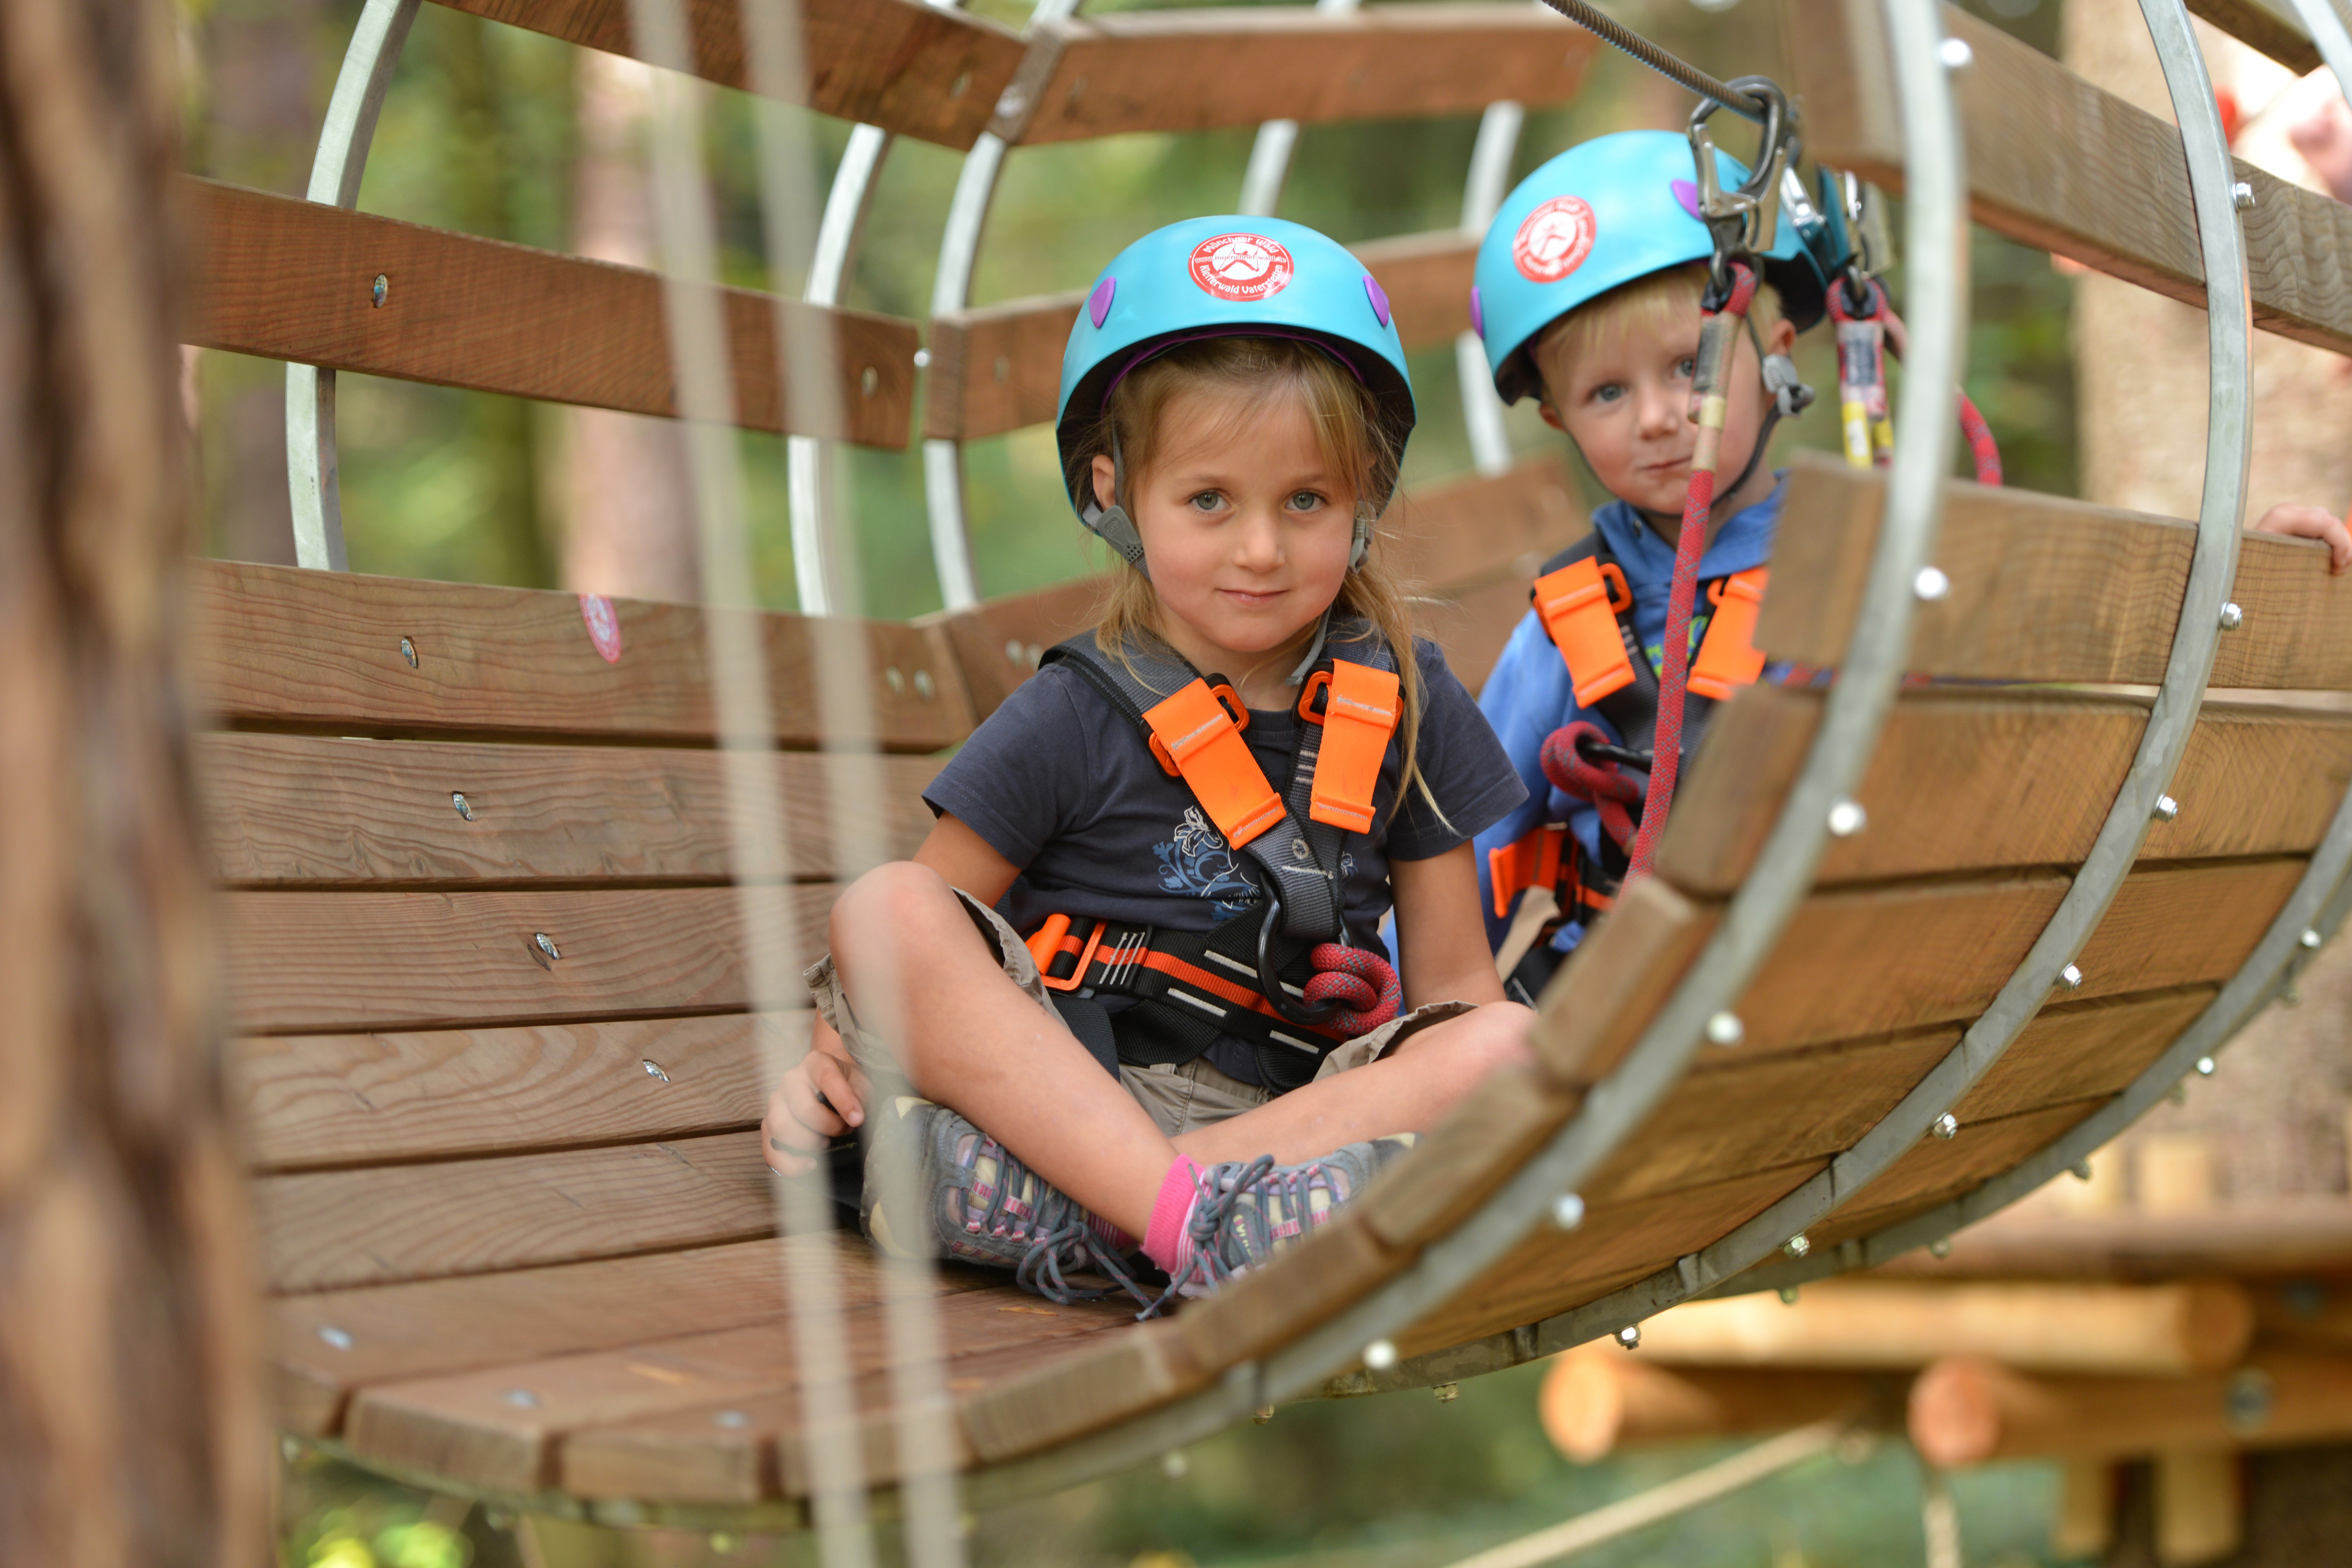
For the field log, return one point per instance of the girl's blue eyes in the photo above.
(1213, 500)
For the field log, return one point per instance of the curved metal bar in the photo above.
(2324, 21)
(1482, 193)
(1269, 163)
(335, 169)
(1853, 714)
(951, 290)
(2162, 744)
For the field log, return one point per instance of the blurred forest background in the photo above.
(500, 133)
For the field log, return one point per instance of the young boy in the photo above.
(1588, 295)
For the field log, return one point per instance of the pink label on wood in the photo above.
(604, 626)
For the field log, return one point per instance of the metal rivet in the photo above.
(961, 85)
(2247, 1404)
(2232, 617)
(1261, 1414)
(1630, 1336)
(924, 688)
(2166, 808)
(1380, 1356)
(522, 1398)
(1798, 1244)
(868, 380)
(1941, 1247)
(922, 359)
(896, 679)
(545, 943)
(1012, 101)
(1788, 1295)
(463, 807)
(1931, 584)
(379, 288)
(732, 1419)
(2242, 197)
(1568, 1211)
(334, 1336)
(1725, 1029)
(1013, 650)
(1447, 1393)
(408, 652)
(2081, 1170)
(1945, 1126)
(653, 1069)
(2204, 1067)
(2311, 938)
(1956, 54)
(2071, 978)
(1036, 655)
(1175, 1465)
(1846, 820)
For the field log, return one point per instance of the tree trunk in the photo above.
(129, 1431)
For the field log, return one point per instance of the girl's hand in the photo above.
(821, 1099)
(2311, 523)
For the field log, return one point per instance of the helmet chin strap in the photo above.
(1113, 526)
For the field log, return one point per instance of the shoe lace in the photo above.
(1221, 1187)
(1063, 1241)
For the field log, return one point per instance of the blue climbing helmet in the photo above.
(1609, 211)
(1223, 277)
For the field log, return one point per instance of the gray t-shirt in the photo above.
(1060, 783)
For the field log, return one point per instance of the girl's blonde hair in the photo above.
(1652, 302)
(1248, 374)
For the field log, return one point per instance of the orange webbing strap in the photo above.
(1574, 603)
(1195, 733)
(1532, 862)
(1357, 724)
(1728, 657)
(1052, 942)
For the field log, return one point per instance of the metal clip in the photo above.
(1745, 221)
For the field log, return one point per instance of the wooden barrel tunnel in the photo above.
(485, 968)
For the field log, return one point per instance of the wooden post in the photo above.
(1598, 1398)
(2200, 1516)
(2085, 1525)
(1966, 1412)
(129, 1428)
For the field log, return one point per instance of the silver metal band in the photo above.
(1482, 193)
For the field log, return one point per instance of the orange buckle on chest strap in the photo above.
(1579, 605)
(1532, 862)
(1197, 738)
(1051, 941)
(1728, 657)
(1356, 721)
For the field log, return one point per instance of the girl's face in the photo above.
(1626, 401)
(1246, 527)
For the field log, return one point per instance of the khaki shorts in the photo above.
(1179, 1098)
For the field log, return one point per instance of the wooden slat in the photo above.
(2082, 1051)
(324, 1229)
(325, 1344)
(2261, 26)
(2280, 1236)
(1937, 1170)
(1970, 781)
(283, 648)
(2043, 588)
(292, 281)
(912, 69)
(2054, 163)
(313, 1100)
(1427, 279)
(1472, 530)
(338, 962)
(997, 644)
(292, 811)
(1197, 71)
(1472, 624)
(467, 1425)
(1615, 981)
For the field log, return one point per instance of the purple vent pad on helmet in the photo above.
(1477, 312)
(1098, 302)
(1687, 194)
(1379, 297)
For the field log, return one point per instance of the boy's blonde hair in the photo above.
(1250, 374)
(1649, 303)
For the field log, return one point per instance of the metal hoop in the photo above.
(311, 478)
(1482, 193)
(2326, 23)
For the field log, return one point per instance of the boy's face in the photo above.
(1625, 400)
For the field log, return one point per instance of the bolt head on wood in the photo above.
(1941, 1247)
(2204, 1067)
(2232, 617)
(408, 652)
(1955, 54)
(1946, 1126)
(2242, 197)
(335, 1337)
(1798, 1244)
(1788, 1295)
(1630, 1336)
(2311, 938)
(1447, 1393)
(2081, 1170)
(378, 291)
(1568, 1211)
(653, 1068)
(1380, 1356)
(1930, 585)
(1725, 1029)
(733, 1420)
(522, 1398)
(1261, 1414)
(2071, 978)
(545, 943)
(460, 804)
(1846, 820)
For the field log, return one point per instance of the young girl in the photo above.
(1134, 973)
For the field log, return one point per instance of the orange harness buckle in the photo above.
(1196, 734)
(1532, 861)
(1358, 719)
(1579, 605)
(1049, 941)
(1728, 655)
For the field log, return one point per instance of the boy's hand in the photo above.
(821, 1099)
(2311, 523)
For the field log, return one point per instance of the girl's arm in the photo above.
(823, 1095)
(1439, 935)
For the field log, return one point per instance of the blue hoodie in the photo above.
(1530, 695)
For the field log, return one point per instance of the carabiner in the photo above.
(1743, 222)
(1307, 1015)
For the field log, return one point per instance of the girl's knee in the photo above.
(891, 901)
(1497, 1034)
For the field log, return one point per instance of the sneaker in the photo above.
(972, 1200)
(1245, 1211)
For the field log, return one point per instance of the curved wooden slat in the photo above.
(2056, 164)
(294, 280)
(1119, 73)
(911, 68)
(2266, 26)
(284, 649)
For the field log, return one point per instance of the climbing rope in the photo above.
(1569, 763)
(1361, 985)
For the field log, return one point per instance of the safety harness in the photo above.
(1284, 975)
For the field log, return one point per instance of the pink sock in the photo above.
(1168, 1241)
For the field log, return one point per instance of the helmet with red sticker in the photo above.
(1222, 277)
(1600, 215)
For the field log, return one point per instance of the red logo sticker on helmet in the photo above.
(1242, 267)
(1554, 239)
